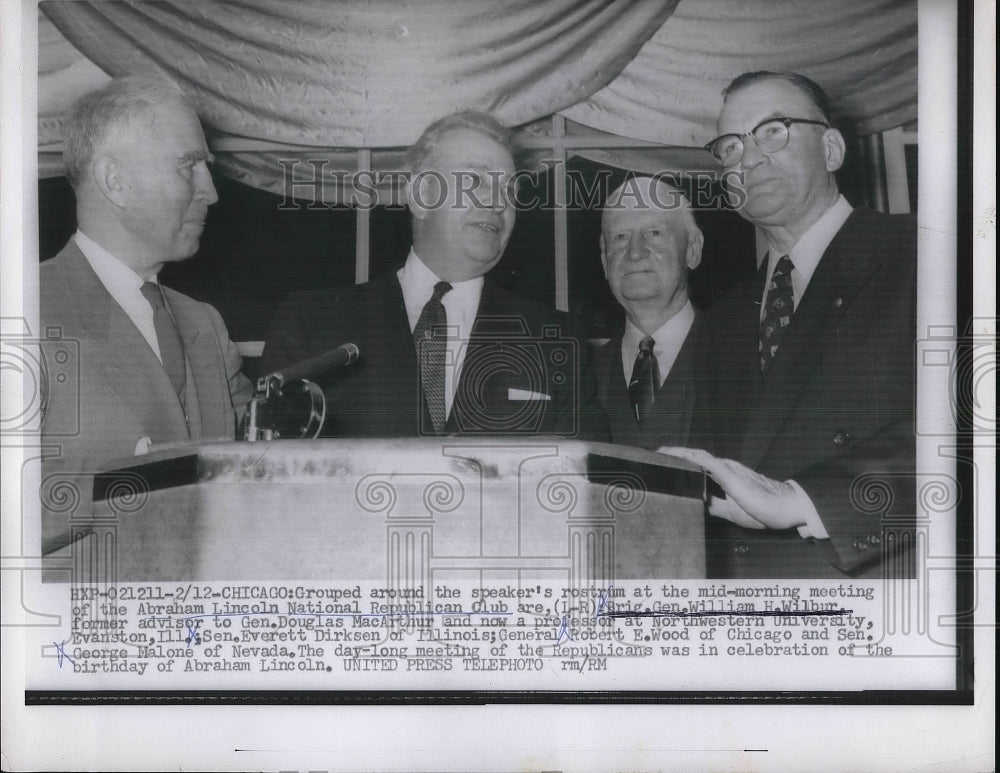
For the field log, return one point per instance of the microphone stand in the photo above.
(279, 410)
(286, 404)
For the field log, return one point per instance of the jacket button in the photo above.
(741, 548)
(841, 438)
(838, 302)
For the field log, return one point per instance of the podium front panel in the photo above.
(403, 511)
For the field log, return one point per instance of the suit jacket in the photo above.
(672, 416)
(115, 391)
(514, 345)
(835, 411)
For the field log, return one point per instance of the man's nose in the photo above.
(635, 248)
(205, 190)
(752, 154)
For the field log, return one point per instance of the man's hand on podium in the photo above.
(753, 501)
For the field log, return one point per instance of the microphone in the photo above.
(320, 365)
(288, 404)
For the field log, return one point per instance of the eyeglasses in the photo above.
(770, 135)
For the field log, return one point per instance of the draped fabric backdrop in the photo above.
(372, 73)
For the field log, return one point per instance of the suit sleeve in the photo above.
(867, 489)
(857, 494)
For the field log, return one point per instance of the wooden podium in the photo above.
(405, 512)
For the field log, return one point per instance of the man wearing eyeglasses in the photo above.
(812, 392)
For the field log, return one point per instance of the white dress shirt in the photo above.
(805, 256)
(808, 250)
(461, 304)
(669, 339)
(124, 285)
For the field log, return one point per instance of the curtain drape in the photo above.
(63, 75)
(358, 73)
(372, 73)
(863, 53)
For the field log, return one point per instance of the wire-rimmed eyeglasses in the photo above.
(770, 135)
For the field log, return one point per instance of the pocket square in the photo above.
(526, 394)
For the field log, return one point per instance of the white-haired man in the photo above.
(647, 373)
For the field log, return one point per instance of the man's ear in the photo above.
(417, 194)
(412, 201)
(108, 177)
(604, 257)
(695, 243)
(833, 149)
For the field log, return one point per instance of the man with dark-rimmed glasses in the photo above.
(811, 399)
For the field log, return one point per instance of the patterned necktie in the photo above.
(169, 340)
(778, 309)
(645, 381)
(430, 336)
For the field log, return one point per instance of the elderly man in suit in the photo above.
(155, 366)
(647, 373)
(812, 392)
(444, 349)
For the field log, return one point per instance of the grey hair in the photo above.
(98, 114)
(675, 201)
(483, 123)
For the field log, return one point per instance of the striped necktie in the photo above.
(430, 337)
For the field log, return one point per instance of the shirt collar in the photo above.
(114, 274)
(812, 244)
(417, 283)
(669, 337)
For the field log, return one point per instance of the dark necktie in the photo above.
(645, 381)
(169, 340)
(430, 337)
(779, 306)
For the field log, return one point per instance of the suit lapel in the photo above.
(607, 366)
(130, 369)
(386, 312)
(204, 404)
(491, 304)
(843, 271)
(669, 421)
(735, 358)
(613, 391)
